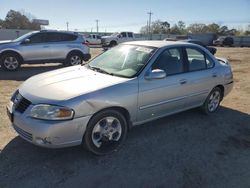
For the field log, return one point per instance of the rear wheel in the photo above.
(105, 132)
(213, 100)
(10, 61)
(74, 58)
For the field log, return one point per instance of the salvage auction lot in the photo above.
(184, 150)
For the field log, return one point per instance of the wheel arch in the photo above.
(221, 87)
(14, 52)
(120, 109)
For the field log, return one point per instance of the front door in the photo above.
(159, 97)
(36, 49)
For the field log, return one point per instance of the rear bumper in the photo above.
(228, 87)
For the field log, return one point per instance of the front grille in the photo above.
(20, 103)
(23, 133)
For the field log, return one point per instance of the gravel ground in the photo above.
(186, 150)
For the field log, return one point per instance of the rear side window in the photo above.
(54, 37)
(130, 35)
(68, 37)
(170, 61)
(196, 59)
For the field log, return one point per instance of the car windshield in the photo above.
(123, 60)
(22, 37)
(114, 34)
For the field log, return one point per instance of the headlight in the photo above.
(50, 112)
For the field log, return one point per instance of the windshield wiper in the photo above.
(100, 70)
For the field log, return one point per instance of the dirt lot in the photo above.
(188, 150)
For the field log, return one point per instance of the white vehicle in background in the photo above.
(93, 39)
(117, 38)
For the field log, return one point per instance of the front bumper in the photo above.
(50, 134)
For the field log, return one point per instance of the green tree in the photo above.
(213, 28)
(197, 28)
(16, 20)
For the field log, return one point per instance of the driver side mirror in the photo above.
(155, 74)
(26, 41)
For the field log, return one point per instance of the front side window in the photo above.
(123, 60)
(170, 61)
(123, 34)
(38, 38)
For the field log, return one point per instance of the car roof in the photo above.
(159, 44)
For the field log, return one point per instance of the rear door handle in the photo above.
(214, 75)
(45, 46)
(183, 81)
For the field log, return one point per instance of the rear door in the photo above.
(201, 76)
(60, 44)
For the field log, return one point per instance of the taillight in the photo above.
(86, 43)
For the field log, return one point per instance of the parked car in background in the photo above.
(93, 39)
(117, 38)
(224, 41)
(209, 48)
(44, 47)
(128, 85)
(194, 41)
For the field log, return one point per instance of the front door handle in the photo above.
(45, 46)
(183, 81)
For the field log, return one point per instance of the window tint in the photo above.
(123, 34)
(196, 59)
(54, 37)
(170, 61)
(68, 37)
(209, 62)
(38, 38)
(130, 35)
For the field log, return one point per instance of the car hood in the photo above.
(108, 37)
(5, 41)
(66, 83)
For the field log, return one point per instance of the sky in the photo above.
(130, 15)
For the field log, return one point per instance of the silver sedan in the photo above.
(136, 82)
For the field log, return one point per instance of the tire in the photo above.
(106, 132)
(74, 58)
(10, 61)
(113, 43)
(212, 102)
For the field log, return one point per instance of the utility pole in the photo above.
(149, 24)
(67, 23)
(97, 27)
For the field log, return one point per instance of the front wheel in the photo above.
(105, 132)
(10, 61)
(213, 100)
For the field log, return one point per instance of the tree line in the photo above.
(160, 27)
(17, 20)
